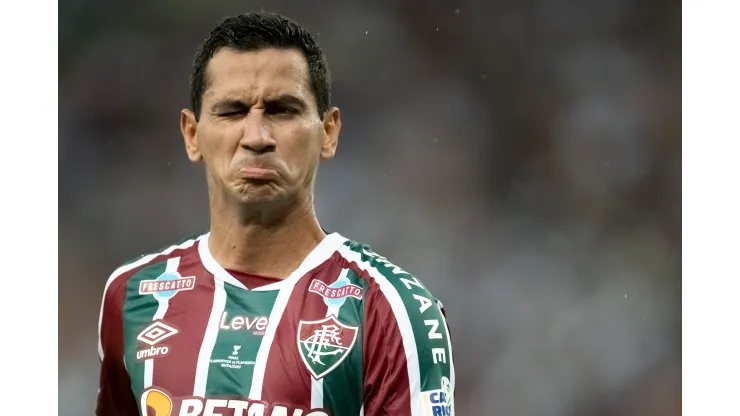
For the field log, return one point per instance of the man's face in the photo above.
(260, 134)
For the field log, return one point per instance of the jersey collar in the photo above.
(320, 254)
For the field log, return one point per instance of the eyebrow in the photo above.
(231, 104)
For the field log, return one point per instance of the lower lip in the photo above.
(257, 173)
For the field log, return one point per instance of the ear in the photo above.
(189, 130)
(332, 126)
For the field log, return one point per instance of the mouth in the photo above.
(258, 173)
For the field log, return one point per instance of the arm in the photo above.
(115, 397)
(407, 361)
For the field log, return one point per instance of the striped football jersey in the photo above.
(347, 333)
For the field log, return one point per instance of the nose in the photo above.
(257, 134)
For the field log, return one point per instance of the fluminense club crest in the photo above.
(325, 344)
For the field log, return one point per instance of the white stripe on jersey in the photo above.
(172, 265)
(258, 375)
(317, 386)
(209, 339)
(452, 367)
(212, 265)
(328, 246)
(404, 324)
(123, 269)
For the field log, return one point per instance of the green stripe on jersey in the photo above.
(241, 329)
(428, 325)
(343, 387)
(138, 311)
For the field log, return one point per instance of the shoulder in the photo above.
(113, 294)
(405, 292)
(381, 269)
(401, 311)
(122, 273)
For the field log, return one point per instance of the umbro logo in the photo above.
(152, 335)
(155, 333)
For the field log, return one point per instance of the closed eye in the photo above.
(279, 109)
(230, 108)
(285, 105)
(233, 113)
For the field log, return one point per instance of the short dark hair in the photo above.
(256, 31)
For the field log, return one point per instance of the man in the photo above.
(267, 314)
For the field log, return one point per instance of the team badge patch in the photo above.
(336, 293)
(325, 344)
(166, 285)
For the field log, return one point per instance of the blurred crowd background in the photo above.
(521, 157)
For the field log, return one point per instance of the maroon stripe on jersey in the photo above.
(285, 366)
(115, 396)
(188, 312)
(386, 377)
(111, 328)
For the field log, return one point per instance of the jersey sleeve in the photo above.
(115, 397)
(407, 351)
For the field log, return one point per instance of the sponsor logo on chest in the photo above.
(166, 286)
(255, 324)
(158, 402)
(336, 293)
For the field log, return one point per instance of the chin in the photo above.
(261, 193)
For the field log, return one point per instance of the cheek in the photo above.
(302, 150)
(217, 142)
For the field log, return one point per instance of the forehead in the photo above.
(253, 74)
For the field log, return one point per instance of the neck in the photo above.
(271, 245)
